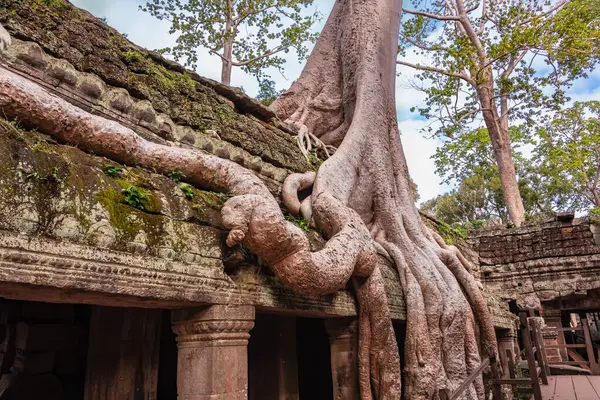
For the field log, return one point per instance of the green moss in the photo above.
(209, 199)
(112, 170)
(120, 215)
(132, 56)
(187, 191)
(313, 160)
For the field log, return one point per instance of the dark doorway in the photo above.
(272, 361)
(314, 362)
(167, 361)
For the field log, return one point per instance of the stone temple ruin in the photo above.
(116, 282)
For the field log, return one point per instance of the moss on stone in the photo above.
(91, 46)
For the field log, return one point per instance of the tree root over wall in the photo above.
(361, 199)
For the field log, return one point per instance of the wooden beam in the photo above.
(588, 345)
(533, 327)
(566, 346)
(526, 332)
(463, 386)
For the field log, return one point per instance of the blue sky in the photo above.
(146, 31)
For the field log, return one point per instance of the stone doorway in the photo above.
(314, 360)
(289, 359)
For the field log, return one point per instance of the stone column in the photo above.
(213, 352)
(343, 340)
(506, 341)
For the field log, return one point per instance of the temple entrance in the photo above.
(43, 350)
(288, 359)
(314, 362)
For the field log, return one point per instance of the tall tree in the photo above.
(361, 201)
(251, 34)
(499, 60)
(467, 161)
(568, 152)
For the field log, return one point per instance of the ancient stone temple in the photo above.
(115, 281)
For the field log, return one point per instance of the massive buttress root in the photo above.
(346, 97)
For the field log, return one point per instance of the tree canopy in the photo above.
(505, 62)
(557, 162)
(250, 34)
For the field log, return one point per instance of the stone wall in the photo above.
(551, 260)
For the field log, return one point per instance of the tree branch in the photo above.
(438, 70)
(248, 13)
(265, 55)
(431, 15)
(473, 8)
(424, 46)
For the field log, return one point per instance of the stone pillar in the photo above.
(213, 352)
(343, 340)
(506, 341)
(552, 318)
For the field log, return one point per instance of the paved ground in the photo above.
(575, 387)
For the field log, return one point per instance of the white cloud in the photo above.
(418, 150)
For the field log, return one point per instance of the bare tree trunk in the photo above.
(497, 126)
(227, 46)
(226, 67)
(361, 200)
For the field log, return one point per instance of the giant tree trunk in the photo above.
(361, 199)
(346, 97)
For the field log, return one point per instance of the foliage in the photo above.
(568, 153)
(468, 161)
(268, 93)
(562, 171)
(176, 176)
(112, 170)
(532, 50)
(299, 222)
(503, 61)
(136, 197)
(251, 34)
(187, 190)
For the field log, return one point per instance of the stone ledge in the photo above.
(146, 281)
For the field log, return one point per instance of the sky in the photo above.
(148, 32)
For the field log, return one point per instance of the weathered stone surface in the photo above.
(548, 261)
(63, 32)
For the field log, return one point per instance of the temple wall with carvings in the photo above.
(553, 261)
